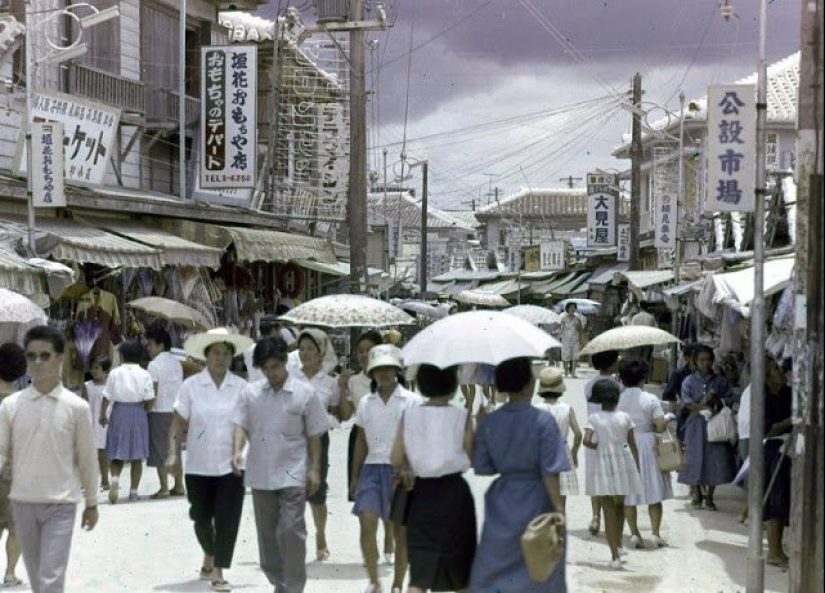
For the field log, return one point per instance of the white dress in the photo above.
(590, 459)
(95, 395)
(643, 408)
(568, 481)
(616, 473)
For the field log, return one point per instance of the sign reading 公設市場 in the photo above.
(229, 124)
(731, 148)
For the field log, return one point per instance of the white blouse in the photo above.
(379, 422)
(326, 389)
(359, 387)
(129, 384)
(434, 440)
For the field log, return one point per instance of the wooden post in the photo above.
(635, 171)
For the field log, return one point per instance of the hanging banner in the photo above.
(48, 165)
(731, 148)
(229, 116)
(623, 243)
(602, 210)
(665, 201)
(89, 130)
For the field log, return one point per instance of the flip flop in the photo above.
(221, 585)
(159, 494)
(177, 493)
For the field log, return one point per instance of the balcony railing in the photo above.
(162, 108)
(108, 88)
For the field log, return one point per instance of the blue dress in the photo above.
(522, 444)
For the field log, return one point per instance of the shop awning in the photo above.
(339, 268)
(542, 288)
(736, 289)
(17, 275)
(503, 288)
(82, 243)
(576, 284)
(456, 287)
(603, 275)
(266, 245)
(175, 251)
(644, 278)
(467, 276)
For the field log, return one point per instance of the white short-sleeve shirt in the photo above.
(167, 372)
(129, 384)
(434, 440)
(359, 387)
(210, 411)
(380, 420)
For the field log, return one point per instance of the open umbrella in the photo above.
(477, 336)
(171, 311)
(16, 308)
(483, 299)
(534, 314)
(347, 310)
(629, 336)
(425, 309)
(583, 306)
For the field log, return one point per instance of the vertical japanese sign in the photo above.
(602, 210)
(623, 243)
(89, 130)
(48, 165)
(229, 92)
(665, 192)
(731, 148)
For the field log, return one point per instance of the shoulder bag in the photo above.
(669, 453)
(721, 427)
(542, 545)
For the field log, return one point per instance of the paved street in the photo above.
(150, 546)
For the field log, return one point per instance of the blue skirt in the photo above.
(708, 464)
(127, 437)
(373, 494)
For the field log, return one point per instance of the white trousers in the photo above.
(44, 532)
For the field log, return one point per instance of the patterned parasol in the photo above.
(534, 314)
(482, 299)
(347, 310)
(629, 336)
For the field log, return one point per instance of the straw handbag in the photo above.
(542, 545)
(669, 454)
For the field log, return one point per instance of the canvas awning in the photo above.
(339, 268)
(542, 288)
(17, 275)
(503, 288)
(576, 284)
(266, 245)
(175, 251)
(642, 279)
(736, 289)
(603, 275)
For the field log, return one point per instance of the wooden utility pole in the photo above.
(635, 171)
(571, 181)
(808, 468)
(357, 203)
(424, 215)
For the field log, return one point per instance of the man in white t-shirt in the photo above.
(268, 327)
(167, 376)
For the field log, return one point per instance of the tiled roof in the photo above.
(537, 201)
(467, 217)
(403, 206)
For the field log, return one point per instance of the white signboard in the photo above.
(664, 259)
(731, 148)
(48, 165)
(89, 130)
(623, 243)
(665, 201)
(229, 116)
(601, 219)
(553, 255)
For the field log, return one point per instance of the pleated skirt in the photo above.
(127, 436)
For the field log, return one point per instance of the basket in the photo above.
(669, 454)
(542, 545)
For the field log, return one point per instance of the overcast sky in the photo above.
(517, 93)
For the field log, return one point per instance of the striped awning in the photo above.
(17, 275)
(576, 284)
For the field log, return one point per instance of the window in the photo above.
(103, 39)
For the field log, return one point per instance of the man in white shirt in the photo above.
(268, 327)
(167, 376)
(46, 434)
(282, 420)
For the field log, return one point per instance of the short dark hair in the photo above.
(689, 350)
(104, 362)
(267, 324)
(632, 371)
(605, 391)
(514, 374)
(12, 362)
(132, 351)
(46, 333)
(568, 305)
(602, 361)
(371, 335)
(228, 345)
(703, 348)
(436, 382)
(159, 336)
(269, 347)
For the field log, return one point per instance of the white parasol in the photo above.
(16, 308)
(629, 336)
(347, 310)
(171, 311)
(483, 299)
(534, 314)
(477, 336)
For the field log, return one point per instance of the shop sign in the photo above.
(731, 148)
(532, 258)
(602, 200)
(89, 130)
(623, 243)
(664, 259)
(229, 124)
(665, 199)
(553, 255)
(47, 163)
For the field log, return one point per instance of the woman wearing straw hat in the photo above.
(378, 416)
(204, 410)
(551, 387)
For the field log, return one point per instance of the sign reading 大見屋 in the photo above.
(731, 148)
(665, 192)
(602, 210)
(48, 165)
(89, 130)
(229, 116)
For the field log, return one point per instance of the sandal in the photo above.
(206, 574)
(221, 585)
(11, 580)
(160, 494)
(177, 493)
(322, 554)
(593, 528)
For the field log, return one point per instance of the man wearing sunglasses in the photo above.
(46, 435)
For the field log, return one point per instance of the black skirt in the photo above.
(441, 533)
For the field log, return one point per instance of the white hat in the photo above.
(551, 381)
(385, 355)
(196, 345)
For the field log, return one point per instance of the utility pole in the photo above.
(424, 173)
(635, 171)
(357, 203)
(571, 181)
(808, 468)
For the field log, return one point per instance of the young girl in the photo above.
(551, 386)
(93, 393)
(610, 433)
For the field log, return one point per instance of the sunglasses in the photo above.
(43, 356)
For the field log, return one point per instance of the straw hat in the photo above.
(385, 355)
(551, 381)
(196, 345)
(393, 336)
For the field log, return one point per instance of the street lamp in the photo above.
(58, 53)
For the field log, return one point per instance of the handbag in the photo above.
(669, 454)
(542, 545)
(721, 427)
(400, 505)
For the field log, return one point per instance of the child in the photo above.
(610, 433)
(93, 393)
(551, 386)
